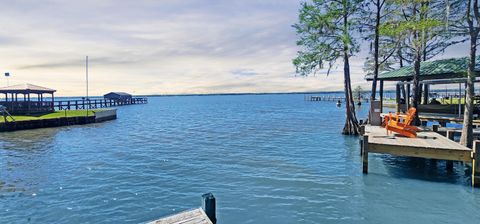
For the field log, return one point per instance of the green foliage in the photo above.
(421, 26)
(56, 114)
(323, 34)
(358, 92)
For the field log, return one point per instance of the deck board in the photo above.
(196, 216)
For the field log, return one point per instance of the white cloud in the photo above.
(158, 47)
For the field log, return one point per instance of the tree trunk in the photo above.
(467, 132)
(375, 55)
(376, 52)
(416, 85)
(351, 124)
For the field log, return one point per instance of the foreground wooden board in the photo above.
(196, 216)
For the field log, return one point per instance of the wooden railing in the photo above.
(96, 103)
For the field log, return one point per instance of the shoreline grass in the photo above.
(56, 114)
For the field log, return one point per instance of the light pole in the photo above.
(7, 75)
(86, 79)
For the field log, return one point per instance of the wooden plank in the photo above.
(196, 216)
(421, 152)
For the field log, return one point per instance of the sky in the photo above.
(160, 47)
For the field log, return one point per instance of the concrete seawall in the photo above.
(100, 116)
(105, 115)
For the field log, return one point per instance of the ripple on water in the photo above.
(268, 159)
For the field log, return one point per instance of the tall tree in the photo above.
(420, 25)
(325, 30)
(382, 48)
(473, 22)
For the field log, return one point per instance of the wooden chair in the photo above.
(401, 124)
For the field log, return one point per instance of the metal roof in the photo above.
(26, 88)
(119, 93)
(439, 69)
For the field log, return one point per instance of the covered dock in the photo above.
(429, 143)
(445, 71)
(31, 100)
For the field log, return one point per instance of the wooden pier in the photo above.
(428, 144)
(96, 103)
(195, 216)
(204, 215)
(328, 98)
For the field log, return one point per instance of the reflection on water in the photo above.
(267, 158)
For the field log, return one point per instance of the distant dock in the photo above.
(328, 98)
(96, 103)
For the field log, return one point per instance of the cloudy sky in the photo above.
(158, 46)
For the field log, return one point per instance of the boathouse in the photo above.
(429, 143)
(118, 96)
(27, 99)
(446, 71)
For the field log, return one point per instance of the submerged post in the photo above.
(365, 154)
(476, 164)
(208, 205)
(451, 136)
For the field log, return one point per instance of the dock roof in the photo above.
(26, 88)
(430, 70)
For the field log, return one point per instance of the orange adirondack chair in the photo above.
(401, 124)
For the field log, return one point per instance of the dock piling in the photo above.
(476, 164)
(208, 205)
(449, 163)
(365, 154)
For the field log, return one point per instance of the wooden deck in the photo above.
(196, 216)
(428, 144)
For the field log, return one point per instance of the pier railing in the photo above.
(96, 103)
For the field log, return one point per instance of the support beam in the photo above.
(449, 164)
(381, 96)
(425, 93)
(397, 97)
(407, 98)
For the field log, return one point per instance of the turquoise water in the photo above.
(266, 158)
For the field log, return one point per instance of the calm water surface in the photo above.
(267, 159)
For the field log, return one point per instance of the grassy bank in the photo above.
(57, 114)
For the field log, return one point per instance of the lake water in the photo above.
(266, 158)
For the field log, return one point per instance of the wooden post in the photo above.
(365, 154)
(209, 206)
(435, 128)
(449, 163)
(397, 93)
(476, 164)
(381, 96)
(407, 98)
(425, 93)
